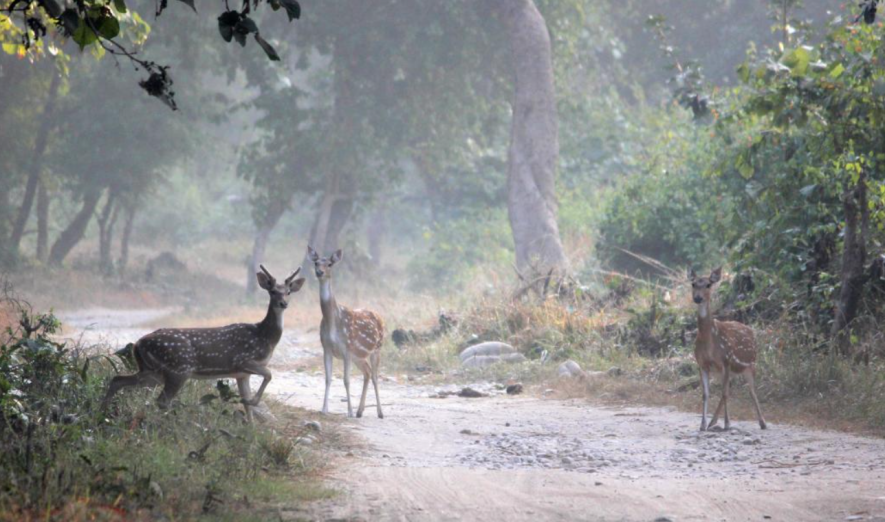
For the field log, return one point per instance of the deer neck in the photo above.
(328, 305)
(271, 327)
(705, 325)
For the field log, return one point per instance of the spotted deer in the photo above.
(723, 348)
(172, 356)
(348, 335)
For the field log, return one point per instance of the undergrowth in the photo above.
(638, 344)
(63, 458)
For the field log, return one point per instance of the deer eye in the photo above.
(709, 285)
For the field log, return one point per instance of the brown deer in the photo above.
(722, 347)
(348, 335)
(172, 356)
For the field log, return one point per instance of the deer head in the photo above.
(323, 265)
(702, 287)
(279, 293)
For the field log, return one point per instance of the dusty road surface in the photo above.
(531, 458)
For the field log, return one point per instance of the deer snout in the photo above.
(698, 299)
(319, 272)
(284, 304)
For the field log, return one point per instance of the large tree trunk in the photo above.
(854, 255)
(72, 235)
(271, 218)
(106, 221)
(43, 203)
(375, 235)
(128, 226)
(46, 123)
(332, 215)
(534, 143)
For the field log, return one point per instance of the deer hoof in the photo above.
(763, 425)
(380, 415)
(359, 414)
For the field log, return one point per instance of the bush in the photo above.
(64, 458)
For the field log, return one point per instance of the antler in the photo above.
(272, 278)
(294, 274)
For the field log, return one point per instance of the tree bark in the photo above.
(72, 235)
(128, 226)
(46, 123)
(854, 254)
(375, 236)
(106, 221)
(43, 203)
(534, 143)
(271, 218)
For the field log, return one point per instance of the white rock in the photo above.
(481, 361)
(487, 348)
(570, 369)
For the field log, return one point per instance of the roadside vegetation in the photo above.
(65, 459)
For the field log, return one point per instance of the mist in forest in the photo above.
(388, 129)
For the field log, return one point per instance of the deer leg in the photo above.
(751, 381)
(366, 369)
(327, 363)
(173, 384)
(347, 382)
(376, 359)
(257, 370)
(705, 381)
(245, 395)
(715, 418)
(725, 386)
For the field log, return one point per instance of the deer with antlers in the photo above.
(722, 347)
(350, 335)
(172, 356)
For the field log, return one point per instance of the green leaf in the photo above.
(268, 49)
(120, 6)
(52, 7)
(226, 23)
(70, 21)
(797, 60)
(246, 25)
(191, 4)
(293, 9)
(84, 35)
(743, 72)
(837, 71)
(109, 27)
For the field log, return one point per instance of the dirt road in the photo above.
(532, 458)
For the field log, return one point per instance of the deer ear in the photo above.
(296, 285)
(336, 256)
(312, 254)
(716, 275)
(264, 281)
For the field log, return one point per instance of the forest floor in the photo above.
(533, 456)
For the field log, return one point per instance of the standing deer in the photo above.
(172, 356)
(722, 347)
(347, 334)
